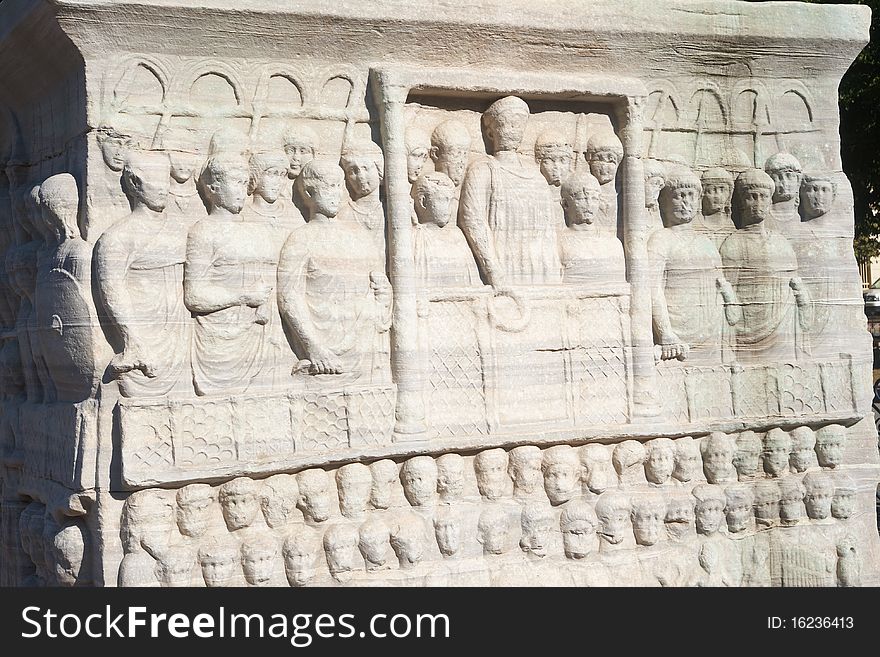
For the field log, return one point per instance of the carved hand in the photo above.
(131, 359)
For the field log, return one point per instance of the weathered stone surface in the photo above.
(511, 293)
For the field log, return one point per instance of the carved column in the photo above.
(409, 416)
(635, 236)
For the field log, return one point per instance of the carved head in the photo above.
(490, 468)
(524, 468)
(717, 191)
(224, 182)
(562, 474)
(844, 499)
(174, 566)
(240, 502)
(493, 530)
(385, 475)
(184, 164)
(408, 540)
(353, 484)
(648, 515)
(753, 193)
(554, 155)
(300, 551)
(537, 523)
(194, 509)
(373, 542)
(680, 516)
(257, 560)
(450, 149)
(581, 198)
(341, 549)
(604, 154)
(114, 147)
(791, 500)
(504, 123)
(279, 500)
(785, 171)
(220, 562)
(419, 478)
(819, 493)
(450, 476)
(680, 197)
(69, 546)
(447, 530)
(320, 187)
(418, 147)
(777, 449)
(660, 460)
(628, 459)
(747, 459)
(59, 202)
(767, 496)
(613, 511)
(268, 174)
(147, 521)
(817, 195)
(432, 196)
(578, 523)
(717, 451)
(315, 496)
(803, 449)
(687, 459)
(738, 509)
(830, 442)
(655, 178)
(364, 167)
(598, 471)
(301, 147)
(709, 507)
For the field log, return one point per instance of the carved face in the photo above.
(114, 150)
(354, 492)
(818, 502)
(239, 509)
(527, 477)
(578, 539)
(193, 516)
(452, 160)
(150, 185)
(829, 449)
(270, 183)
(754, 205)
(787, 182)
(505, 133)
(555, 167)
(410, 549)
(220, 569)
(415, 161)
(718, 463)
(450, 479)
(603, 165)
(766, 506)
(362, 176)
(434, 208)
(342, 555)
(775, 457)
(448, 533)
(384, 475)
(679, 518)
(653, 185)
(647, 522)
(687, 462)
(747, 459)
(299, 563)
(374, 548)
(278, 505)
(802, 457)
(716, 198)
(709, 515)
(183, 165)
(494, 538)
(791, 508)
(738, 513)
(817, 196)
(491, 472)
(175, 572)
(299, 155)
(419, 484)
(583, 207)
(660, 464)
(599, 471)
(230, 191)
(257, 566)
(614, 525)
(679, 206)
(316, 501)
(561, 481)
(536, 534)
(842, 504)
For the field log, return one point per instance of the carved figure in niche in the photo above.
(450, 151)
(524, 469)
(767, 496)
(219, 561)
(507, 211)
(229, 283)
(537, 523)
(490, 468)
(655, 178)
(747, 459)
(266, 202)
(315, 496)
(738, 509)
(830, 441)
(139, 263)
(419, 478)
(257, 560)
(554, 155)
(680, 517)
(598, 471)
(145, 531)
(364, 167)
(819, 492)
(613, 511)
(300, 551)
(587, 254)
(803, 451)
(447, 530)
(418, 148)
(408, 541)
(62, 297)
(692, 299)
(493, 530)
(105, 189)
(441, 253)
(709, 508)
(777, 450)
(715, 219)
(578, 523)
(648, 515)
(69, 549)
(843, 502)
(341, 549)
(373, 542)
(239, 502)
(279, 499)
(717, 450)
(628, 459)
(184, 204)
(174, 567)
(450, 477)
(660, 461)
(194, 505)
(785, 170)
(688, 463)
(791, 501)
(353, 485)
(301, 146)
(385, 475)
(333, 293)
(562, 474)
(604, 154)
(761, 265)
(849, 566)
